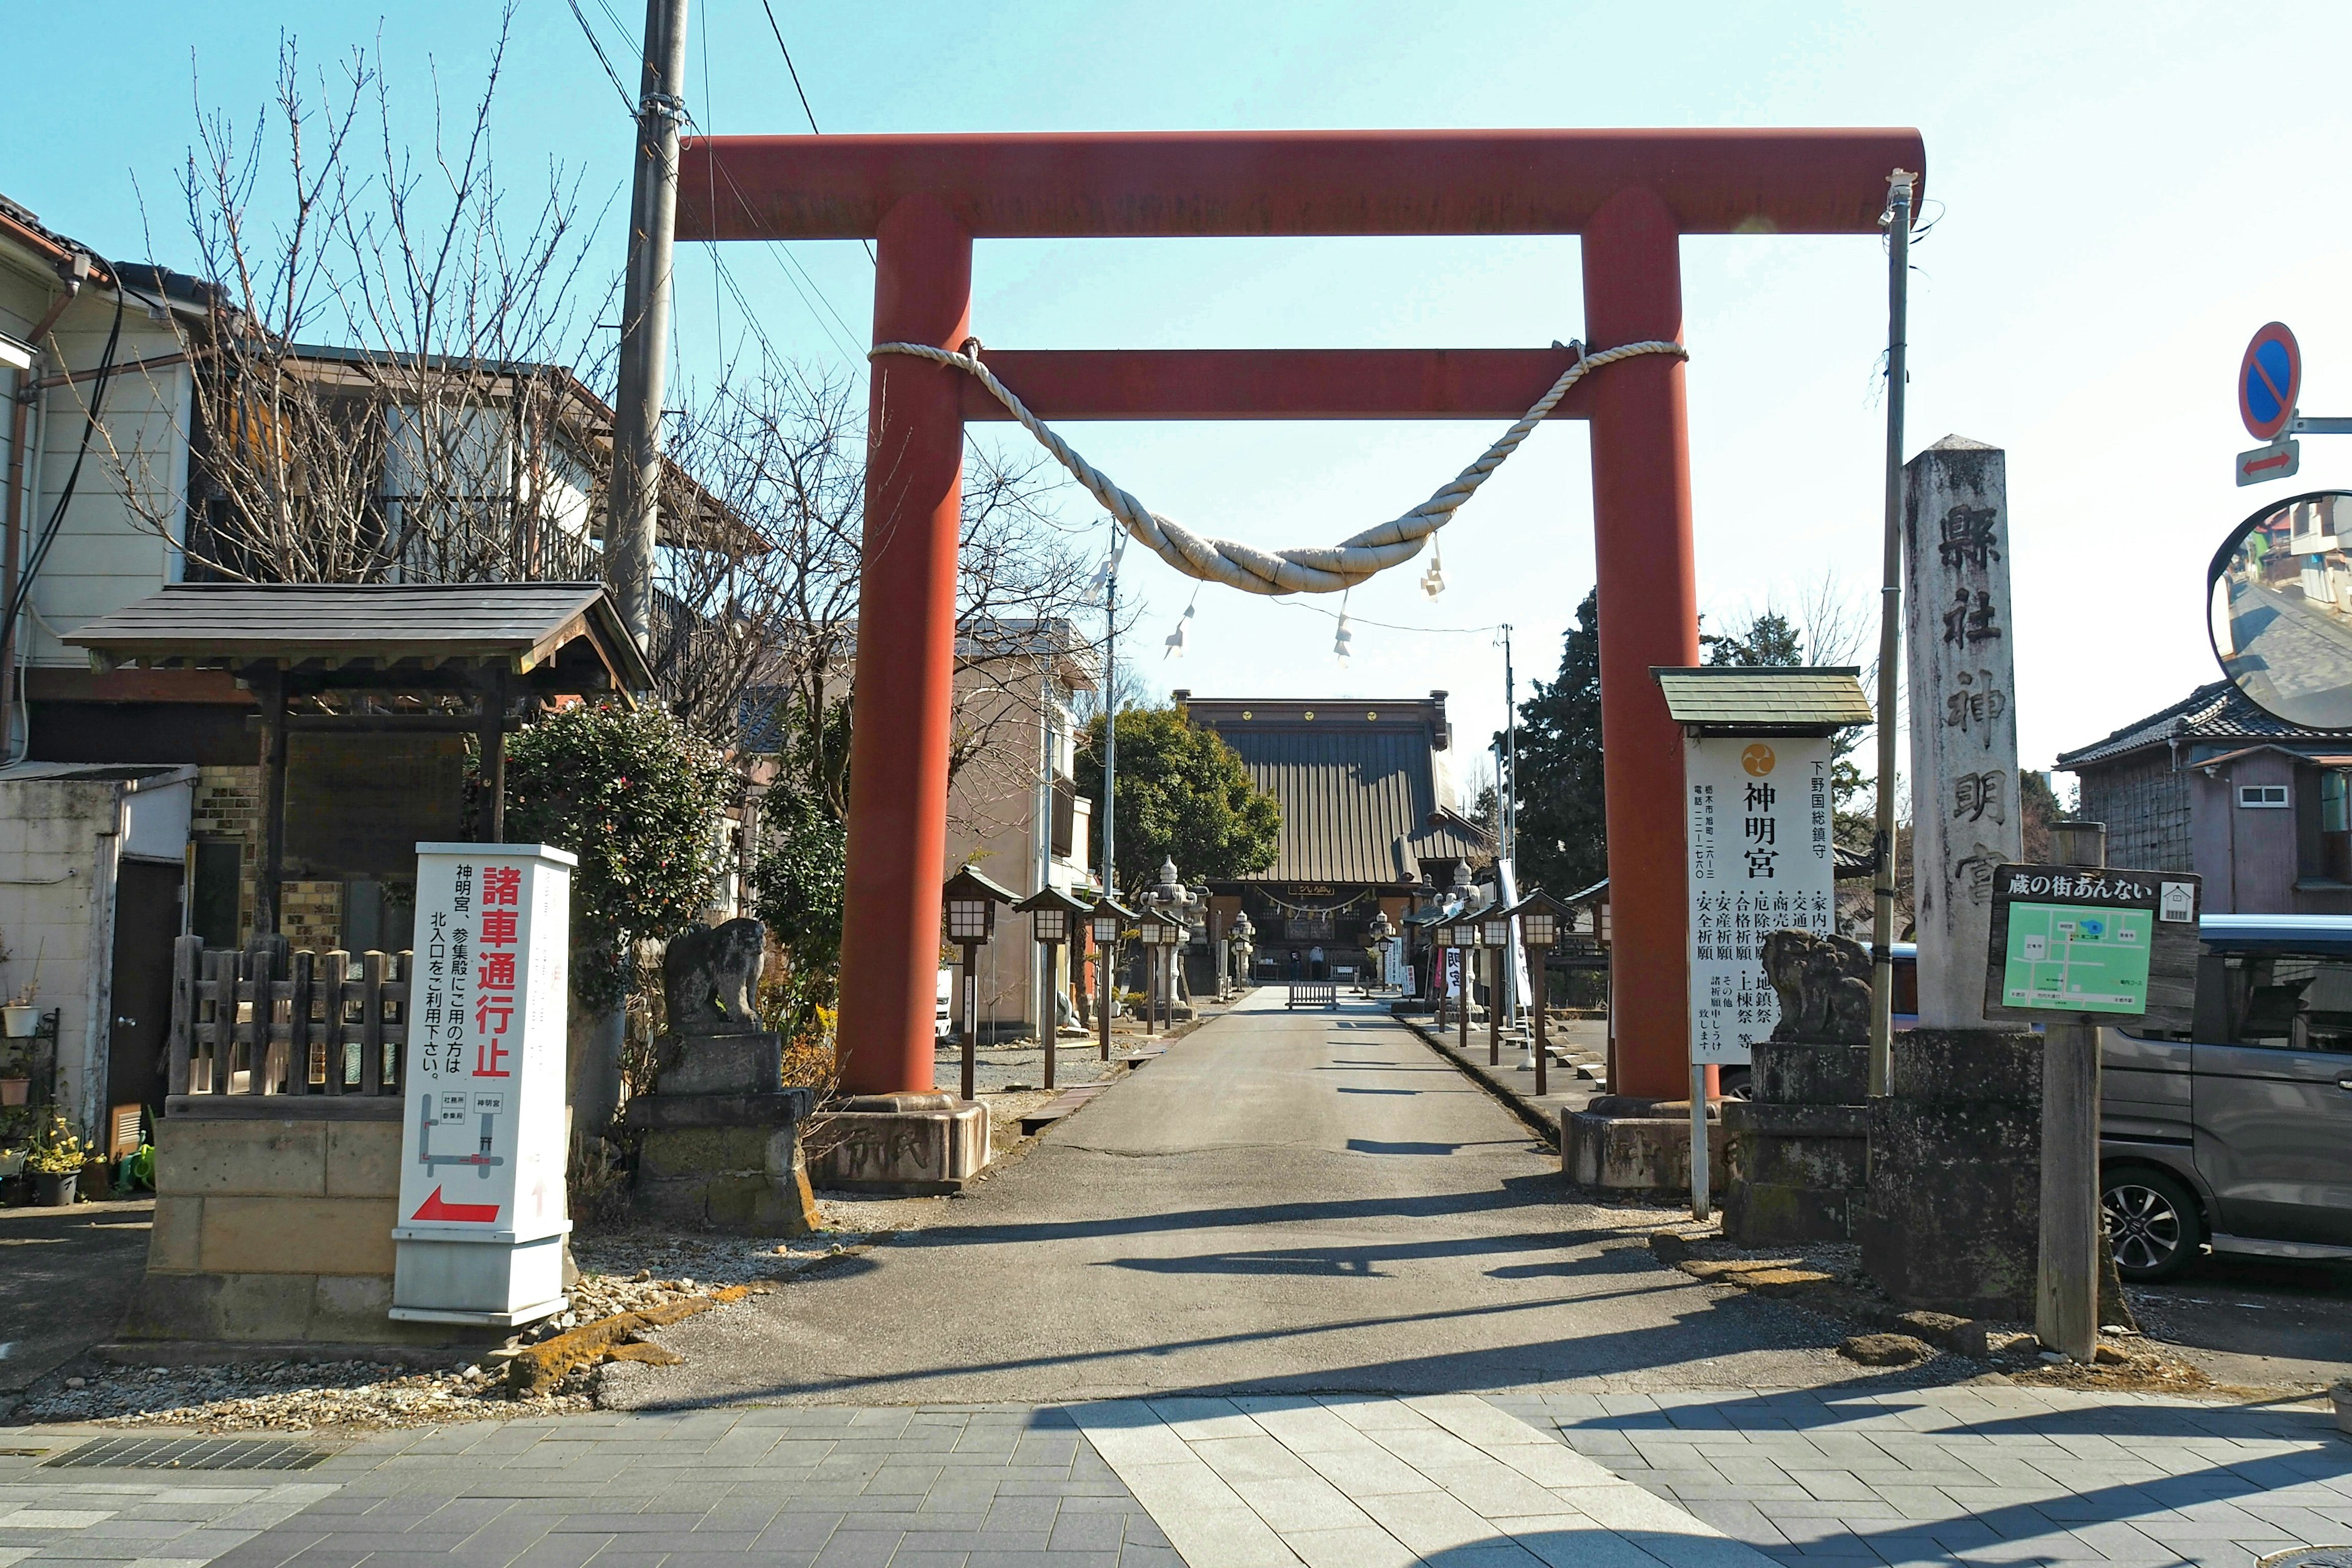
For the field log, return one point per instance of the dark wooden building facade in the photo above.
(1366, 790)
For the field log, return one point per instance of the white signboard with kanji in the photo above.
(482, 1143)
(1760, 860)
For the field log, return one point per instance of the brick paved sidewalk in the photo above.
(1978, 1475)
(1989, 1475)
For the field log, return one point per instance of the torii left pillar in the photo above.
(899, 746)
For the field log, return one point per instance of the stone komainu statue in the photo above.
(1824, 986)
(711, 978)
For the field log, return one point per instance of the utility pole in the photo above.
(633, 499)
(1110, 745)
(1890, 633)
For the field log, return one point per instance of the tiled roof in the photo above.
(2219, 711)
(1745, 698)
(1358, 799)
(226, 623)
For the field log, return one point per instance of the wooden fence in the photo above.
(242, 1020)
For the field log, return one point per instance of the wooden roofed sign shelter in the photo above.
(464, 658)
(923, 201)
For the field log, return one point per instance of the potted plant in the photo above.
(55, 1163)
(16, 1081)
(20, 1017)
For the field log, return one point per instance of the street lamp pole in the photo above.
(1107, 918)
(1540, 917)
(971, 901)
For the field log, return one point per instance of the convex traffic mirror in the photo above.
(2281, 609)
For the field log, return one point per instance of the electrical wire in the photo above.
(1356, 620)
(794, 72)
(93, 411)
(615, 76)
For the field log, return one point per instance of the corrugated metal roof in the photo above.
(2219, 711)
(217, 623)
(1359, 801)
(1743, 696)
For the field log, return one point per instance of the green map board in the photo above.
(2092, 940)
(2077, 958)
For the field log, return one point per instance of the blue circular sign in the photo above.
(2269, 378)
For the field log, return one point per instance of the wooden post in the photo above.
(260, 988)
(1541, 987)
(490, 741)
(970, 1019)
(1495, 1005)
(298, 974)
(2066, 1298)
(373, 966)
(334, 969)
(1105, 955)
(187, 963)
(268, 687)
(1049, 1023)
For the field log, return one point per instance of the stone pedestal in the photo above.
(720, 1142)
(1625, 1143)
(1799, 1148)
(1953, 1222)
(273, 1224)
(905, 1143)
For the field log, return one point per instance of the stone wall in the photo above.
(276, 1230)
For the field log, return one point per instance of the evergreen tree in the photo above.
(1183, 796)
(1563, 813)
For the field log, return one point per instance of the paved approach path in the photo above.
(1306, 1202)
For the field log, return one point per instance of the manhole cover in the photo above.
(2310, 1557)
(198, 1454)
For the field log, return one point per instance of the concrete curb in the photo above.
(1546, 1127)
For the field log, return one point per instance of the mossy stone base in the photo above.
(751, 1180)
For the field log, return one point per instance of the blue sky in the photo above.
(2123, 194)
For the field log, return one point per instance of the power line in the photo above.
(627, 103)
(1355, 619)
(793, 71)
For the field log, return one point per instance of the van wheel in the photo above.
(2152, 1223)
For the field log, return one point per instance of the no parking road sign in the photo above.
(2269, 380)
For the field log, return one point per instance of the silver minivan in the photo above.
(2236, 1134)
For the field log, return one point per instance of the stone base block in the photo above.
(1799, 1173)
(725, 1162)
(720, 1064)
(276, 1309)
(751, 1180)
(1637, 1153)
(911, 1143)
(1954, 1218)
(273, 1224)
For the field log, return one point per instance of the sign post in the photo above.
(2074, 946)
(1758, 759)
(482, 1151)
(2270, 380)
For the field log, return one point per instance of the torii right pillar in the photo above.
(1649, 616)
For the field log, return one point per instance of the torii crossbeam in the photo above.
(923, 200)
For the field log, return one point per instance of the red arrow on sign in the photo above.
(475, 1214)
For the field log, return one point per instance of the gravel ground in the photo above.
(619, 1271)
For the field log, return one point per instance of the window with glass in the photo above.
(2295, 1002)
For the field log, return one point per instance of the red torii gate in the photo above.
(1630, 195)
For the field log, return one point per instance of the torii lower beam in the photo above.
(1630, 195)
